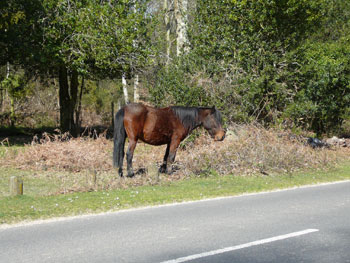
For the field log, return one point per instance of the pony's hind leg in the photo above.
(129, 156)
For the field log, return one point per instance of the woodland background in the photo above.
(281, 63)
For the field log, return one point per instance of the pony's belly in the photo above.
(156, 139)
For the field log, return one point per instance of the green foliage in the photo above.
(16, 86)
(322, 97)
(322, 103)
(20, 33)
(265, 60)
(99, 96)
(240, 58)
(94, 37)
(172, 86)
(253, 41)
(242, 31)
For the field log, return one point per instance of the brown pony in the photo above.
(160, 126)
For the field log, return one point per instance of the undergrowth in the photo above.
(85, 163)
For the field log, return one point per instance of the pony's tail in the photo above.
(119, 140)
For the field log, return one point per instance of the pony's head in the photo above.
(212, 122)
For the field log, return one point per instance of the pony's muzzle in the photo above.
(220, 136)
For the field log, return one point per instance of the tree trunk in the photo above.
(180, 7)
(68, 98)
(78, 110)
(12, 100)
(125, 89)
(136, 88)
(74, 87)
(167, 28)
(136, 76)
(12, 112)
(64, 99)
(7, 70)
(1, 99)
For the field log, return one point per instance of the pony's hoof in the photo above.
(131, 174)
(163, 169)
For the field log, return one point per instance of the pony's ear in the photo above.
(212, 110)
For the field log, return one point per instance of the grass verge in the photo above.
(34, 205)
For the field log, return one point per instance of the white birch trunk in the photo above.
(180, 7)
(136, 88)
(167, 27)
(136, 77)
(7, 70)
(125, 89)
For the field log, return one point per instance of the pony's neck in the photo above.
(189, 117)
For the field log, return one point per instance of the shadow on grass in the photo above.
(19, 136)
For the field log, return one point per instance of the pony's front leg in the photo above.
(129, 156)
(171, 157)
(163, 167)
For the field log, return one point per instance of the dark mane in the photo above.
(218, 116)
(187, 115)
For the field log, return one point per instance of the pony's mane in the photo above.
(187, 115)
(218, 116)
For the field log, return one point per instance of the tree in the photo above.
(87, 38)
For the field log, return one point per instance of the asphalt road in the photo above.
(309, 224)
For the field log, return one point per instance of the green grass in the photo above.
(36, 204)
(37, 184)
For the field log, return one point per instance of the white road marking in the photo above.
(246, 245)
